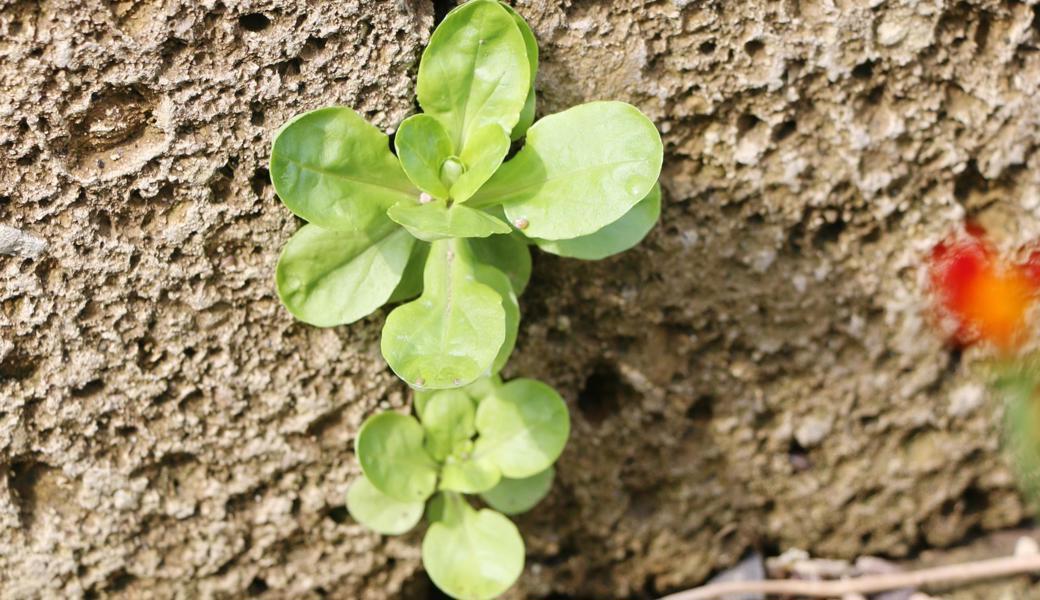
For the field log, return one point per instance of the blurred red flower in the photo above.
(988, 297)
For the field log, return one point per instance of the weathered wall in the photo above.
(759, 372)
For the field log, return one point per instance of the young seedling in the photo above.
(493, 439)
(444, 224)
(445, 217)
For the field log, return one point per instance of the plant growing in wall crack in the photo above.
(444, 225)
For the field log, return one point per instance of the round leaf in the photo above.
(379, 512)
(507, 253)
(451, 334)
(522, 427)
(617, 237)
(473, 555)
(447, 417)
(437, 221)
(335, 170)
(531, 44)
(327, 277)
(390, 449)
(475, 71)
(482, 157)
(515, 496)
(579, 171)
(423, 146)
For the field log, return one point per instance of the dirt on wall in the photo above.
(760, 372)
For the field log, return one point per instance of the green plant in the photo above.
(489, 438)
(444, 225)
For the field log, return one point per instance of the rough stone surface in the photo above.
(761, 372)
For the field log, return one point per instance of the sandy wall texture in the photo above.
(760, 372)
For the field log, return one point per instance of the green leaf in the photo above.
(531, 45)
(436, 220)
(451, 334)
(579, 171)
(328, 278)
(617, 237)
(522, 427)
(411, 283)
(497, 280)
(1022, 427)
(447, 417)
(423, 146)
(507, 253)
(475, 71)
(483, 387)
(481, 157)
(390, 449)
(472, 555)
(335, 170)
(515, 496)
(463, 472)
(379, 512)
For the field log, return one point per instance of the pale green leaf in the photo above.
(469, 554)
(522, 427)
(483, 387)
(390, 449)
(578, 171)
(379, 512)
(335, 170)
(422, 147)
(469, 474)
(447, 416)
(507, 253)
(411, 283)
(527, 114)
(531, 45)
(475, 71)
(451, 334)
(617, 237)
(328, 278)
(515, 496)
(497, 280)
(436, 220)
(480, 158)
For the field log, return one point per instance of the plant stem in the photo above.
(869, 584)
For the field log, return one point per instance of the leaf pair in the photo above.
(496, 440)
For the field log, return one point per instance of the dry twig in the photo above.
(868, 584)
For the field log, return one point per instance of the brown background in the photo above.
(760, 372)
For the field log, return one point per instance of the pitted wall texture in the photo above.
(760, 372)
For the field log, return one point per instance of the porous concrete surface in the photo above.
(761, 372)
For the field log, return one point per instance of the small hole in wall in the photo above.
(746, 122)
(261, 178)
(707, 47)
(863, 70)
(254, 22)
(256, 587)
(798, 457)
(754, 48)
(702, 409)
(604, 394)
(784, 130)
(338, 514)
